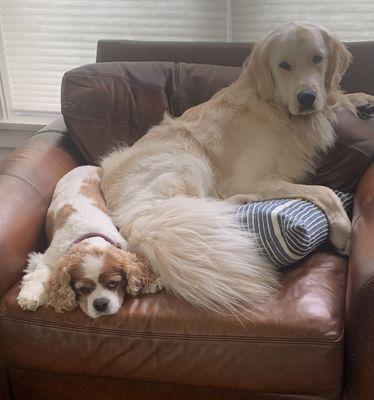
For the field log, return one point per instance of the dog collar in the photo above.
(95, 234)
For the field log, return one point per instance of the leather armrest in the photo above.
(27, 180)
(360, 293)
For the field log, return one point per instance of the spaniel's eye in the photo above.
(112, 285)
(85, 290)
(285, 65)
(316, 59)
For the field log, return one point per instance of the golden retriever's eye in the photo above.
(285, 65)
(316, 59)
(112, 285)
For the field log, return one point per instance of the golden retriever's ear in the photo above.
(259, 72)
(59, 293)
(339, 61)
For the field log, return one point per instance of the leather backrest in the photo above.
(213, 53)
(357, 79)
(105, 104)
(108, 103)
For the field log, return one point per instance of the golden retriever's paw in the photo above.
(153, 286)
(365, 111)
(364, 104)
(30, 297)
(340, 236)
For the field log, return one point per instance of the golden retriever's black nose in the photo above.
(101, 304)
(306, 98)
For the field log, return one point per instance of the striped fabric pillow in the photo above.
(287, 230)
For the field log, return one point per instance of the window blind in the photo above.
(42, 38)
(349, 20)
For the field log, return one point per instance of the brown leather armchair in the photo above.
(316, 343)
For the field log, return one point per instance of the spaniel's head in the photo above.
(297, 66)
(95, 278)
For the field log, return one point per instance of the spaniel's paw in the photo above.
(153, 286)
(135, 286)
(31, 297)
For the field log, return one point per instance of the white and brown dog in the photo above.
(86, 262)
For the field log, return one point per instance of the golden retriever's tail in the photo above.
(201, 254)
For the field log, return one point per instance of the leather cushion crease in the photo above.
(108, 104)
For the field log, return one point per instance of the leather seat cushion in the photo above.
(293, 348)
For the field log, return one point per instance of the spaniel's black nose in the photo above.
(101, 304)
(306, 98)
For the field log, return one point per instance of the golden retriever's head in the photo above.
(297, 66)
(94, 278)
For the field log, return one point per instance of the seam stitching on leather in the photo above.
(351, 147)
(168, 336)
(355, 221)
(119, 78)
(49, 131)
(33, 187)
(85, 114)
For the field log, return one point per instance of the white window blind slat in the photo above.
(349, 20)
(43, 39)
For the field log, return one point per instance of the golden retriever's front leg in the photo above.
(321, 196)
(363, 103)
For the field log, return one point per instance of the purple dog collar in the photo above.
(95, 234)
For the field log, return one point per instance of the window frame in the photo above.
(10, 121)
(5, 99)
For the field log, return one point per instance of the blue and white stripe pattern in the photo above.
(287, 230)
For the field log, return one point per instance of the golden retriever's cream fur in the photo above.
(256, 139)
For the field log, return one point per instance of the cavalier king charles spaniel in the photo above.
(87, 262)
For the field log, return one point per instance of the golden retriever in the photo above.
(171, 192)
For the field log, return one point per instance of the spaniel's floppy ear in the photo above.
(59, 293)
(339, 61)
(138, 272)
(259, 72)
